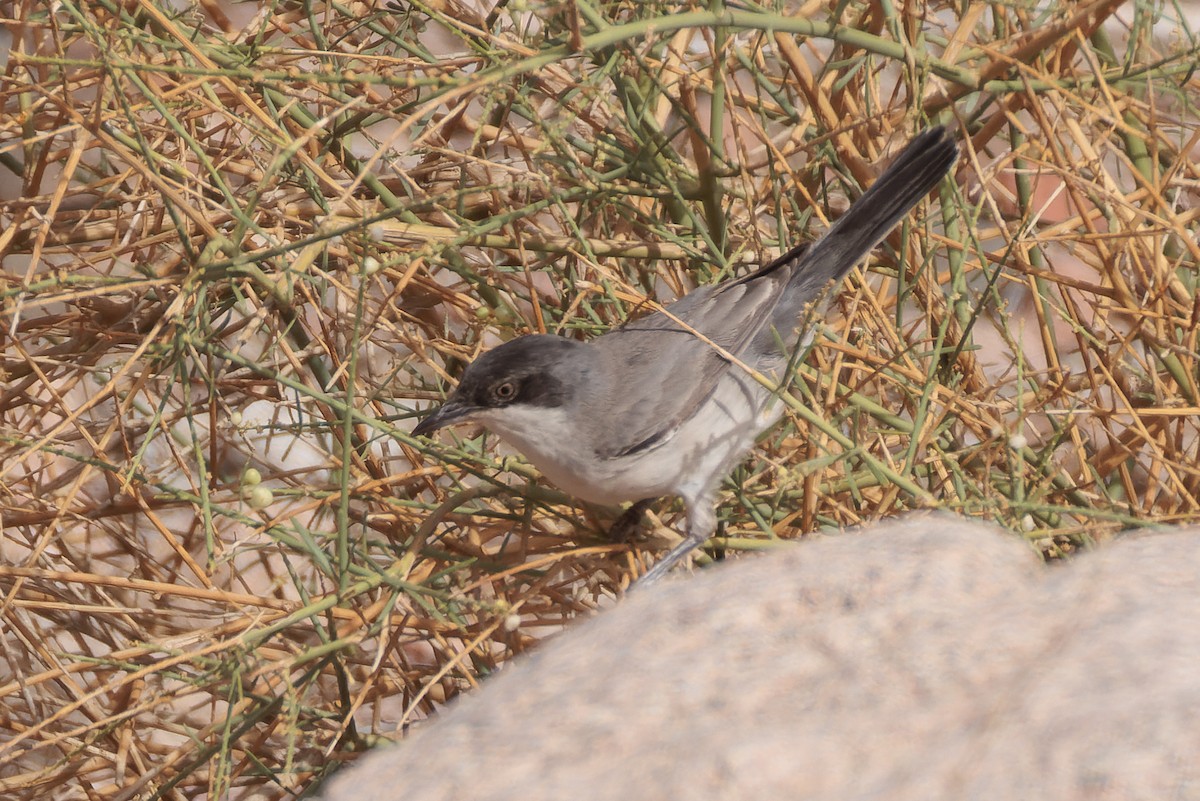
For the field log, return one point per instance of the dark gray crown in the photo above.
(541, 369)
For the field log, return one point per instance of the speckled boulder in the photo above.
(927, 658)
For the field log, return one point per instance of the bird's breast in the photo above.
(689, 460)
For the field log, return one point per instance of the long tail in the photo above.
(916, 171)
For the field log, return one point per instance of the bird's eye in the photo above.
(505, 391)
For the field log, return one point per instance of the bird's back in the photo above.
(680, 353)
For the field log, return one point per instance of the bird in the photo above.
(666, 404)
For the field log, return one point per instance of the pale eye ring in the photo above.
(505, 391)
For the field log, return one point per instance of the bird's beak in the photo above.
(452, 411)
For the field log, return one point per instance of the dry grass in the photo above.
(260, 246)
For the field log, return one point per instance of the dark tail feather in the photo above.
(915, 172)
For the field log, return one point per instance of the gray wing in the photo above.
(680, 371)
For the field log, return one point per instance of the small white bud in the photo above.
(259, 497)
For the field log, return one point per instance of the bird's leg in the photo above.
(629, 521)
(701, 523)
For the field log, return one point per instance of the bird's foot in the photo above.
(673, 556)
(629, 522)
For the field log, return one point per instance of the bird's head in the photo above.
(510, 387)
